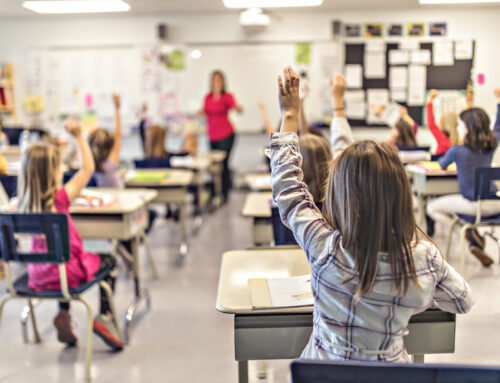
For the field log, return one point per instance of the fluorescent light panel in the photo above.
(76, 6)
(271, 3)
(427, 2)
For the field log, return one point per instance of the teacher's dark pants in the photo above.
(225, 145)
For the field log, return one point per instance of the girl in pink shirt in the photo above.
(40, 190)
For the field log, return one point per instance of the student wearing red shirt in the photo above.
(447, 135)
(216, 108)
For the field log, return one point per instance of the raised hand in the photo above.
(289, 100)
(117, 100)
(497, 94)
(73, 126)
(432, 95)
(338, 85)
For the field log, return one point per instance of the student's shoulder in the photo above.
(427, 254)
(61, 200)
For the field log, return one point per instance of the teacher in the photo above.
(216, 108)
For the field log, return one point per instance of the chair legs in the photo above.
(450, 236)
(111, 300)
(33, 321)
(2, 304)
(145, 242)
(463, 247)
(90, 329)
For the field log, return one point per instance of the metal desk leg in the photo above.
(418, 358)
(29, 312)
(198, 219)
(243, 371)
(145, 242)
(421, 210)
(140, 293)
(184, 247)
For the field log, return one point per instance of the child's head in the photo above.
(402, 134)
(448, 124)
(316, 158)
(101, 142)
(474, 129)
(369, 200)
(155, 142)
(40, 177)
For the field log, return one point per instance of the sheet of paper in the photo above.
(399, 57)
(375, 65)
(377, 100)
(409, 45)
(354, 76)
(398, 95)
(398, 77)
(420, 57)
(391, 114)
(442, 53)
(355, 104)
(463, 49)
(91, 198)
(375, 46)
(291, 291)
(417, 81)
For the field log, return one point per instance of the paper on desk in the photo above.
(375, 65)
(399, 57)
(463, 49)
(354, 76)
(442, 53)
(421, 57)
(355, 104)
(181, 161)
(376, 99)
(398, 77)
(417, 80)
(91, 198)
(291, 292)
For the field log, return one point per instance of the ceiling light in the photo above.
(76, 6)
(254, 17)
(427, 2)
(271, 3)
(196, 54)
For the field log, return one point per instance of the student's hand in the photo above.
(74, 127)
(261, 106)
(432, 95)
(338, 85)
(116, 100)
(289, 100)
(403, 111)
(497, 94)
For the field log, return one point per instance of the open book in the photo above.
(147, 175)
(433, 166)
(268, 293)
(90, 198)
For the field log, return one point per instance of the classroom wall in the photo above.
(22, 34)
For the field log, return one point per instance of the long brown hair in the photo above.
(316, 158)
(155, 142)
(406, 137)
(219, 73)
(369, 200)
(101, 142)
(448, 125)
(480, 138)
(38, 182)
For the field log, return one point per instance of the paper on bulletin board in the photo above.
(355, 104)
(375, 46)
(303, 55)
(354, 76)
(463, 49)
(377, 99)
(442, 53)
(399, 57)
(417, 81)
(409, 45)
(421, 57)
(398, 95)
(34, 104)
(375, 65)
(398, 77)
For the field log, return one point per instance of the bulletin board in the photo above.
(453, 77)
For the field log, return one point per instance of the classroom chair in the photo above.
(483, 178)
(414, 148)
(9, 183)
(70, 174)
(152, 163)
(54, 226)
(283, 235)
(308, 371)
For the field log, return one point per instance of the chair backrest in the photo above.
(9, 183)
(436, 157)
(414, 148)
(53, 226)
(358, 372)
(283, 235)
(152, 163)
(71, 173)
(483, 186)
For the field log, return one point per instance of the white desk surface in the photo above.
(233, 295)
(257, 205)
(260, 182)
(176, 177)
(418, 170)
(13, 150)
(126, 201)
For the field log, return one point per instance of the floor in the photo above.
(184, 338)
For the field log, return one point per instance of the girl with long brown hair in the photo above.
(372, 268)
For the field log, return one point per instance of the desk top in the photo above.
(257, 205)
(233, 295)
(12, 150)
(126, 201)
(176, 177)
(413, 169)
(188, 162)
(259, 182)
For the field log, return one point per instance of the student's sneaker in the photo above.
(62, 321)
(481, 255)
(474, 238)
(105, 329)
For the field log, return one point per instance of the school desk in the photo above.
(283, 333)
(257, 206)
(259, 182)
(12, 153)
(124, 219)
(172, 189)
(431, 183)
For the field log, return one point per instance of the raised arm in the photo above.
(442, 139)
(114, 155)
(496, 127)
(265, 119)
(80, 180)
(303, 125)
(340, 130)
(295, 203)
(406, 117)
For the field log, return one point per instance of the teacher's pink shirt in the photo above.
(219, 126)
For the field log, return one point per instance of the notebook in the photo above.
(92, 198)
(432, 166)
(147, 176)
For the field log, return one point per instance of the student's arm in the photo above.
(442, 139)
(448, 158)
(496, 127)
(340, 130)
(303, 125)
(406, 117)
(295, 203)
(80, 180)
(114, 155)
(452, 292)
(265, 118)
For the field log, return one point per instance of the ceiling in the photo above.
(14, 8)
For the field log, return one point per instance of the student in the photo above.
(155, 143)
(403, 132)
(447, 135)
(143, 124)
(372, 269)
(40, 190)
(479, 144)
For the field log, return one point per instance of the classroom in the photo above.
(249, 191)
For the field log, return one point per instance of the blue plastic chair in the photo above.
(54, 226)
(484, 189)
(414, 148)
(71, 173)
(283, 235)
(9, 183)
(152, 163)
(308, 371)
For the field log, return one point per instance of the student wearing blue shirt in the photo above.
(479, 144)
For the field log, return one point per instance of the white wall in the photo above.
(21, 35)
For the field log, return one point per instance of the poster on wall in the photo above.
(303, 54)
(438, 29)
(395, 30)
(415, 29)
(352, 30)
(373, 30)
